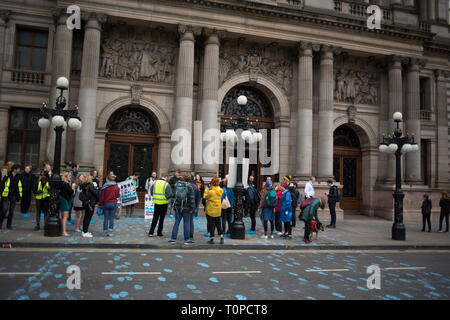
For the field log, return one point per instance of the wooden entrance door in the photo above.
(347, 167)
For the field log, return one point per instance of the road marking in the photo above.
(19, 273)
(405, 268)
(234, 272)
(327, 270)
(130, 273)
(225, 251)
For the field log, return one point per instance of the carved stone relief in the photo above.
(256, 60)
(137, 58)
(356, 82)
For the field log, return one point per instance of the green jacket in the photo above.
(310, 211)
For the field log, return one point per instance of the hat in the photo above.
(288, 178)
(269, 182)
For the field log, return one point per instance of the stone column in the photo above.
(210, 86)
(395, 104)
(413, 172)
(442, 179)
(409, 3)
(325, 133)
(4, 17)
(87, 100)
(303, 160)
(432, 10)
(62, 54)
(184, 89)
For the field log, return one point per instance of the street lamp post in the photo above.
(398, 145)
(57, 117)
(238, 227)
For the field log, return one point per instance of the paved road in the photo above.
(223, 274)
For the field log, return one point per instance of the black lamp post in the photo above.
(238, 227)
(58, 117)
(398, 145)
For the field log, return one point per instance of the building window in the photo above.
(31, 49)
(24, 136)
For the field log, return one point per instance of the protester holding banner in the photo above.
(108, 202)
(161, 193)
(135, 178)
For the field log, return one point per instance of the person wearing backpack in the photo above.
(161, 193)
(184, 207)
(89, 197)
(198, 197)
(227, 208)
(269, 200)
(252, 198)
(213, 209)
(333, 197)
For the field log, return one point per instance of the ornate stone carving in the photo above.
(4, 17)
(137, 60)
(351, 111)
(356, 86)
(255, 60)
(136, 93)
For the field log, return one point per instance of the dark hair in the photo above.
(44, 173)
(330, 181)
(425, 196)
(136, 174)
(15, 166)
(74, 165)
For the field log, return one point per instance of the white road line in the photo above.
(19, 273)
(405, 268)
(130, 273)
(234, 272)
(327, 270)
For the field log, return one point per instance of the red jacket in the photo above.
(278, 207)
(109, 194)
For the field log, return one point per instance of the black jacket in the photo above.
(426, 206)
(333, 195)
(28, 181)
(91, 192)
(445, 205)
(173, 181)
(66, 191)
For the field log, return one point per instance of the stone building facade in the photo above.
(138, 70)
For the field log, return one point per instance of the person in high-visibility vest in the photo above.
(11, 189)
(42, 192)
(161, 193)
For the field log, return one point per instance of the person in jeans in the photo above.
(173, 181)
(183, 210)
(161, 193)
(267, 208)
(28, 184)
(332, 199)
(227, 214)
(42, 192)
(11, 189)
(110, 192)
(444, 203)
(198, 197)
(91, 196)
(426, 212)
(213, 209)
(252, 199)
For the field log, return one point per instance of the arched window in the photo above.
(132, 120)
(256, 107)
(345, 137)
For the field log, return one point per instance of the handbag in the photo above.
(226, 203)
(99, 211)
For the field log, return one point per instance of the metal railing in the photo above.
(426, 115)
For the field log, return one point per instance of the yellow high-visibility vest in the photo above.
(6, 190)
(159, 192)
(45, 193)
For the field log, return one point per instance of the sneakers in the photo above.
(271, 236)
(86, 235)
(37, 228)
(211, 241)
(150, 235)
(264, 236)
(188, 242)
(331, 226)
(78, 230)
(171, 241)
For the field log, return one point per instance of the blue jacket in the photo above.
(230, 194)
(286, 206)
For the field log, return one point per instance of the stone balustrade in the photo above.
(27, 77)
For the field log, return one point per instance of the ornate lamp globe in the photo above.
(242, 100)
(398, 116)
(62, 83)
(44, 123)
(58, 121)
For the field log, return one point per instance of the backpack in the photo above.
(181, 194)
(271, 199)
(338, 198)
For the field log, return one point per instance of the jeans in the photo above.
(426, 218)
(159, 214)
(332, 207)
(11, 204)
(265, 226)
(441, 219)
(109, 211)
(191, 224)
(186, 225)
(226, 217)
(25, 202)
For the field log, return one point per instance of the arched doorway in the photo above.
(132, 145)
(258, 113)
(347, 167)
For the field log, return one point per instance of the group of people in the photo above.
(181, 195)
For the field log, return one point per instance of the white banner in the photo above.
(128, 194)
(149, 207)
